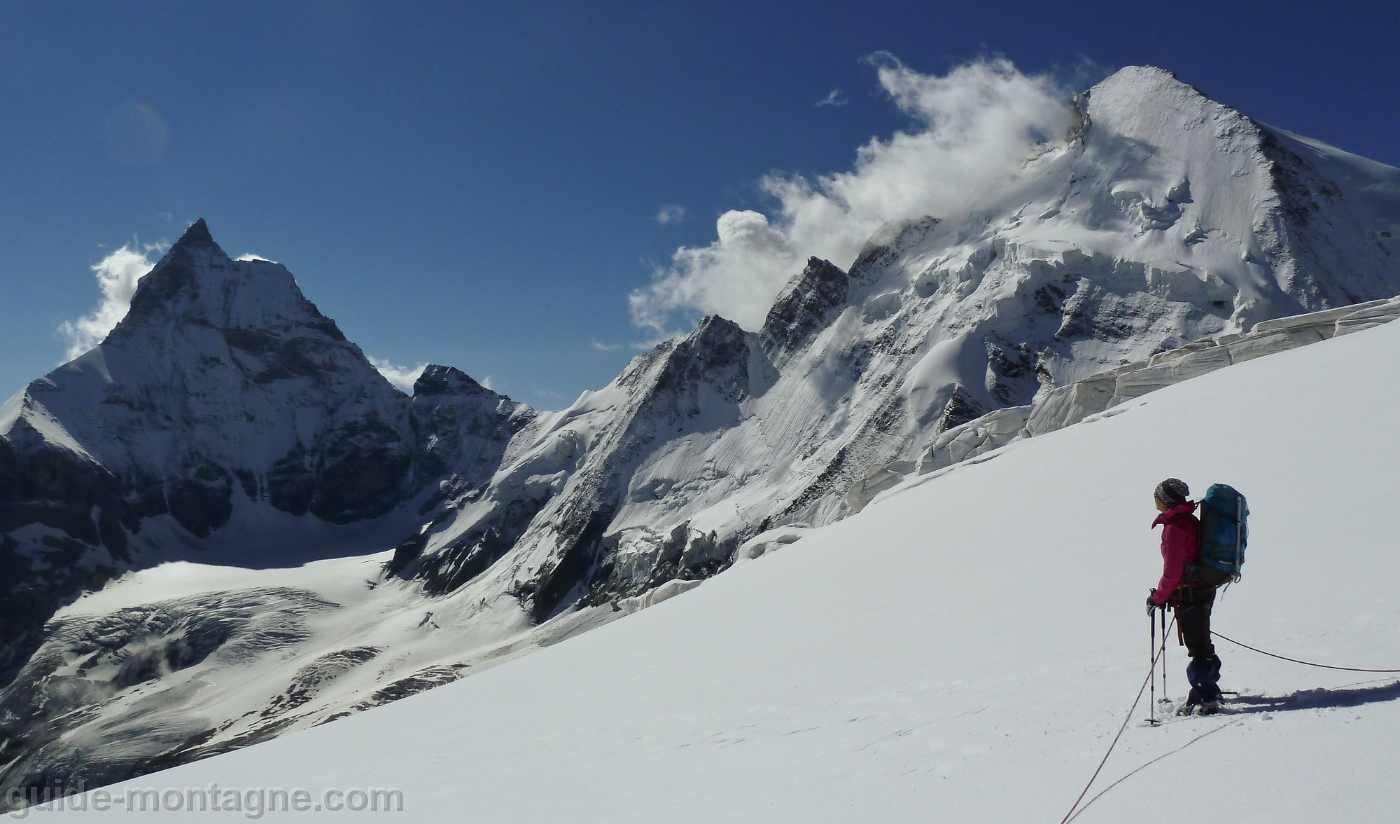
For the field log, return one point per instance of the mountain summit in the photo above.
(226, 420)
(224, 404)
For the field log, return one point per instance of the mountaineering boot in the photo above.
(1198, 702)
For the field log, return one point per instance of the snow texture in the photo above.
(973, 632)
(226, 422)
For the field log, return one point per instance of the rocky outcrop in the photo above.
(804, 307)
(557, 499)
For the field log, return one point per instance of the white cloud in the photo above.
(401, 376)
(605, 347)
(835, 98)
(250, 256)
(117, 276)
(975, 128)
(670, 213)
(488, 383)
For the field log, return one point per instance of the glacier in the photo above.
(964, 649)
(222, 524)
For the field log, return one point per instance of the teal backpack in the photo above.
(1223, 535)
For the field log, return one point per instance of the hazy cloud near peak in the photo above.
(136, 134)
(117, 277)
(835, 98)
(670, 213)
(974, 128)
(401, 376)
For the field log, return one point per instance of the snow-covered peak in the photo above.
(196, 282)
(446, 380)
(222, 388)
(226, 411)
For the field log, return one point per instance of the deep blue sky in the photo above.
(477, 184)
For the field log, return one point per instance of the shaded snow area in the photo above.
(963, 649)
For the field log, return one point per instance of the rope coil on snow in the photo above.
(1295, 660)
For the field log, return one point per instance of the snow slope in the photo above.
(227, 421)
(961, 650)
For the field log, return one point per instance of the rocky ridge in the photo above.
(227, 420)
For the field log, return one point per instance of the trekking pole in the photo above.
(1166, 696)
(1152, 678)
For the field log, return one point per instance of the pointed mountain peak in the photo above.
(197, 237)
(804, 307)
(446, 380)
(197, 233)
(1136, 87)
(196, 281)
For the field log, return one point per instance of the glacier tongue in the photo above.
(225, 419)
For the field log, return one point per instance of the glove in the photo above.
(1153, 606)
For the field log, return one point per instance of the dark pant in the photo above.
(1193, 617)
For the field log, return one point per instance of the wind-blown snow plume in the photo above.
(977, 125)
(401, 376)
(117, 275)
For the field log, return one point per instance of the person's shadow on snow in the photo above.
(1318, 699)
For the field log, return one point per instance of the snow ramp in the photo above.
(964, 649)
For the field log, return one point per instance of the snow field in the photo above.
(962, 650)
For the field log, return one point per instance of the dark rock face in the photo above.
(60, 492)
(575, 571)
(462, 426)
(464, 430)
(803, 308)
(474, 552)
(714, 359)
(961, 408)
(201, 497)
(354, 472)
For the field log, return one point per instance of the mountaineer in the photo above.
(1183, 589)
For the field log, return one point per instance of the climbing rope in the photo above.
(1295, 660)
(1076, 809)
(1150, 675)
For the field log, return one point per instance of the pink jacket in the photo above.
(1180, 547)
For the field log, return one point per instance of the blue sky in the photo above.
(480, 184)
